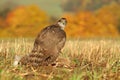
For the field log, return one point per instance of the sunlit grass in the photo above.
(80, 60)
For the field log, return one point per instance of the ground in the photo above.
(81, 59)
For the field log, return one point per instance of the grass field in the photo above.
(87, 59)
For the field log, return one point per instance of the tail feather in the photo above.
(34, 59)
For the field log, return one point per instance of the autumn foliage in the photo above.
(87, 24)
(27, 21)
(26, 16)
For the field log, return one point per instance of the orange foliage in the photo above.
(26, 15)
(87, 24)
(16, 16)
(109, 14)
(26, 20)
(2, 23)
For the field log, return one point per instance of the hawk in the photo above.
(47, 45)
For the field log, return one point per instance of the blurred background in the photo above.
(86, 18)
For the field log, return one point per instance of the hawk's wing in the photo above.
(61, 44)
(39, 39)
(49, 38)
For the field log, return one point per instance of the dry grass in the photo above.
(81, 60)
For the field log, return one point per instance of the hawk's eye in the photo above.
(63, 23)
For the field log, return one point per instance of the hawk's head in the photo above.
(62, 23)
